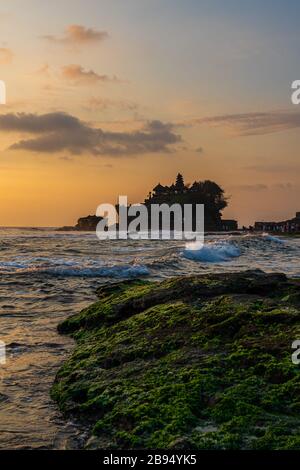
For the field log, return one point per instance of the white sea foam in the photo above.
(271, 238)
(211, 252)
(69, 268)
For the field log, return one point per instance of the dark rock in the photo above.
(198, 362)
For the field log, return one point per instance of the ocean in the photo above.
(46, 276)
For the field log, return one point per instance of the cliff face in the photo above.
(198, 362)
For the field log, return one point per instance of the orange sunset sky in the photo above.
(111, 97)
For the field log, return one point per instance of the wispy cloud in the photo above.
(6, 56)
(43, 71)
(60, 132)
(78, 75)
(264, 187)
(273, 167)
(256, 123)
(106, 103)
(251, 187)
(284, 186)
(76, 34)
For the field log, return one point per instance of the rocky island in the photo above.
(197, 362)
(205, 192)
(84, 224)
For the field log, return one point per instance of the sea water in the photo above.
(46, 276)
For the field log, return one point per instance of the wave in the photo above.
(271, 238)
(69, 268)
(144, 258)
(211, 252)
(109, 271)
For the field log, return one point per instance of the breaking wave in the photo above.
(211, 252)
(271, 238)
(70, 268)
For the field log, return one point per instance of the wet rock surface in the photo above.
(199, 362)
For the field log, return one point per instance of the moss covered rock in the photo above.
(200, 362)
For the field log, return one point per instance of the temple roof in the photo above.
(158, 188)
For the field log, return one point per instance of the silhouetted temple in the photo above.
(207, 192)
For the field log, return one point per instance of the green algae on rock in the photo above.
(199, 362)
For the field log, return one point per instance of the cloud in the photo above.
(251, 187)
(66, 158)
(76, 34)
(256, 123)
(6, 56)
(61, 132)
(78, 75)
(273, 167)
(284, 186)
(105, 103)
(38, 124)
(43, 71)
(263, 187)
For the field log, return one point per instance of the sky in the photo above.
(110, 97)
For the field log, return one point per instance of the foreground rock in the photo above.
(195, 362)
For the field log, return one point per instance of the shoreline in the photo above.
(200, 362)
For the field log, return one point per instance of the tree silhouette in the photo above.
(179, 185)
(205, 192)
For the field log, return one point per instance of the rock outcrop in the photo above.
(84, 224)
(198, 362)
